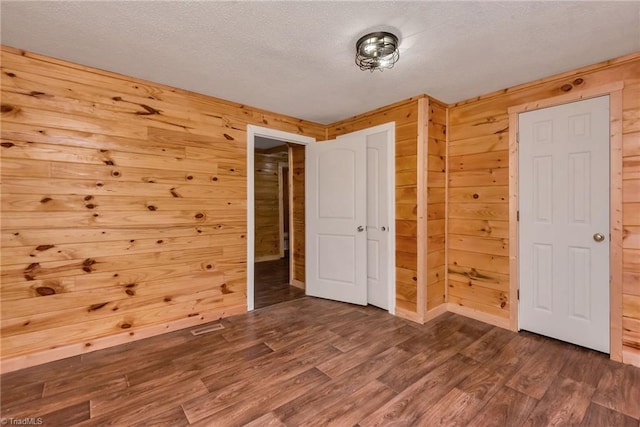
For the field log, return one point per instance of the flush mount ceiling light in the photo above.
(377, 51)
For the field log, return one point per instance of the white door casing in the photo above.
(336, 254)
(563, 165)
(252, 132)
(377, 221)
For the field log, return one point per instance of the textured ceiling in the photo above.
(297, 58)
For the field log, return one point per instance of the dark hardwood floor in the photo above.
(271, 283)
(317, 362)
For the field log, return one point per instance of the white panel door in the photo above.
(336, 238)
(377, 221)
(564, 222)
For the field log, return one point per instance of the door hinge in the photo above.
(518, 137)
(518, 294)
(517, 215)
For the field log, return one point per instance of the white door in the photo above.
(564, 222)
(336, 238)
(377, 221)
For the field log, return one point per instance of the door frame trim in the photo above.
(614, 90)
(252, 132)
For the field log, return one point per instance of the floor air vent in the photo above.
(207, 329)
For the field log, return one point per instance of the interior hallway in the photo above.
(271, 283)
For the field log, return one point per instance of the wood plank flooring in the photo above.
(313, 362)
(271, 283)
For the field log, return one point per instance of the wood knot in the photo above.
(86, 265)
(90, 206)
(99, 184)
(11, 74)
(44, 247)
(225, 290)
(109, 163)
(44, 291)
(6, 108)
(566, 87)
(578, 81)
(215, 178)
(167, 299)
(229, 137)
(174, 193)
(159, 242)
(476, 195)
(209, 266)
(130, 292)
(45, 199)
(189, 177)
(87, 198)
(503, 304)
(95, 307)
(7, 144)
(125, 325)
(199, 215)
(152, 208)
(29, 272)
(117, 98)
(149, 111)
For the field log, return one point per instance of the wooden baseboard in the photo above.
(631, 356)
(25, 361)
(264, 258)
(297, 284)
(409, 315)
(435, 312)
(479, 315)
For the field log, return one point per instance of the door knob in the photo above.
(384, 228)
(598, 237)
(360, 228)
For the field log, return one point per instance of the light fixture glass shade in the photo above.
(377, 51)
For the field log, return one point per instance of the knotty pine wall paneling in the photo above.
(435, 203)
(267, 199)
(297, 231)
(478, 239)
(123, 207)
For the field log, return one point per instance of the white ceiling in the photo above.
(297, 58)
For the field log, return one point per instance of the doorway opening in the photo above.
(272, 214)
(375, 264)
(275, 192)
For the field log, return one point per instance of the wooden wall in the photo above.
(123, 207)
(478, 159)
(267, 202)
(435, 164)
(297, 231)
